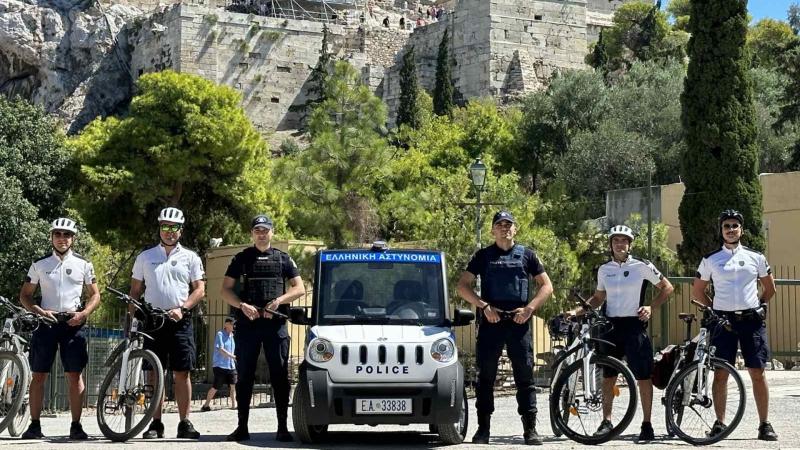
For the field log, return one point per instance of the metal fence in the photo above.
(782, 326)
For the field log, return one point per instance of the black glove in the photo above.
(762, 311)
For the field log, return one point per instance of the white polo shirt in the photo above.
(735, 273)
(625, 285)
(167, 278)
(61, 280)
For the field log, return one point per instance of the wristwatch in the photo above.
(185, 311)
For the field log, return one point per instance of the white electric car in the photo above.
(381, 347)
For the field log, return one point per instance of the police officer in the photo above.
(621, 285)
(263, 274)
(171, 277)
(505, 269)
(735, 271)
(62, 276)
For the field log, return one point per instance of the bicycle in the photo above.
(15, 372)
(561, 328)
(690, 410)
(581, 397)
(131, 391)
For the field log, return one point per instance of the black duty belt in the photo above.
(741, 315)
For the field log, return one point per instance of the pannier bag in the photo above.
(663, 364)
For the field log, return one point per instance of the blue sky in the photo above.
(775, 9)
(759, 9)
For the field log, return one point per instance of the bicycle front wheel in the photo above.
(125, 407)
(695, 402)
(19, 423)
(580, 399)
(15, 378)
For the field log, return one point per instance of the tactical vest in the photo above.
(506, 279)
(262, 282)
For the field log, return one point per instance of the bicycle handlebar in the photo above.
(144, 307)
(23, 315)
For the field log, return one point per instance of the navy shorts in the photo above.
(223, 377)
(632, 343)
(749, 334)
(69, 341)
(173, 344)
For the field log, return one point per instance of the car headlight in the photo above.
(320, 350)
(443, 350)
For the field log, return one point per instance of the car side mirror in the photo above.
(298, 316)
(463, 317)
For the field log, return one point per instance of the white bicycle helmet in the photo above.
(64, 224)
(171, 214)
(621, 230)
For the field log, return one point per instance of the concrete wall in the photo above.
(781, 203)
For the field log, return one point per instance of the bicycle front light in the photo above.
(443, 350)
(320, 350)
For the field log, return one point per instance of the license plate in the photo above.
(383, 406)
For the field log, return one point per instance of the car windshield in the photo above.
(381, 288)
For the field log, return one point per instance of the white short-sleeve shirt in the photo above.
(167, 278)
(61, 280)
(735, 273)
(625, 285)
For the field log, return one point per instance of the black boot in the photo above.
(186, 430)
(239, 434)
(529, 430)
(283, 434)
(155, 430)
(482, 435)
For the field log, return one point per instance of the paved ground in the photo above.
(506, 428)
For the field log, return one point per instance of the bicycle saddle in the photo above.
(686, 317)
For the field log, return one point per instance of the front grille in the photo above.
(345, 355)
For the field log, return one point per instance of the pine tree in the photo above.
(443, 92)
(720, 164)
(316, 93)
(408, 112)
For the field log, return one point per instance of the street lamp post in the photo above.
(477, 173)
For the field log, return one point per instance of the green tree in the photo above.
(602, 160)
(186, 143)
(334, 177)
(775, 146)
(574, 101)
(641, 33)
(719, 167)
(646, 101)
(36, 176)
(32, 150)
(316, 93)
(767, 41)
(443, 91)
(793, 16)
(598, 57)
(407, 111)
(790, 99)
(679, 11)
(487, 130)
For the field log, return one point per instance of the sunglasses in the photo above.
(63, 234)
(170, 228)
(731, 226)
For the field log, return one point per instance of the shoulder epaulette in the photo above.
(42, 258)
(751, 250)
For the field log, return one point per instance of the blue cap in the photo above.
(503, 215)
(261, 221)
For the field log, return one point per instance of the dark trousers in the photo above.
(250, 339)
(517, 340)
